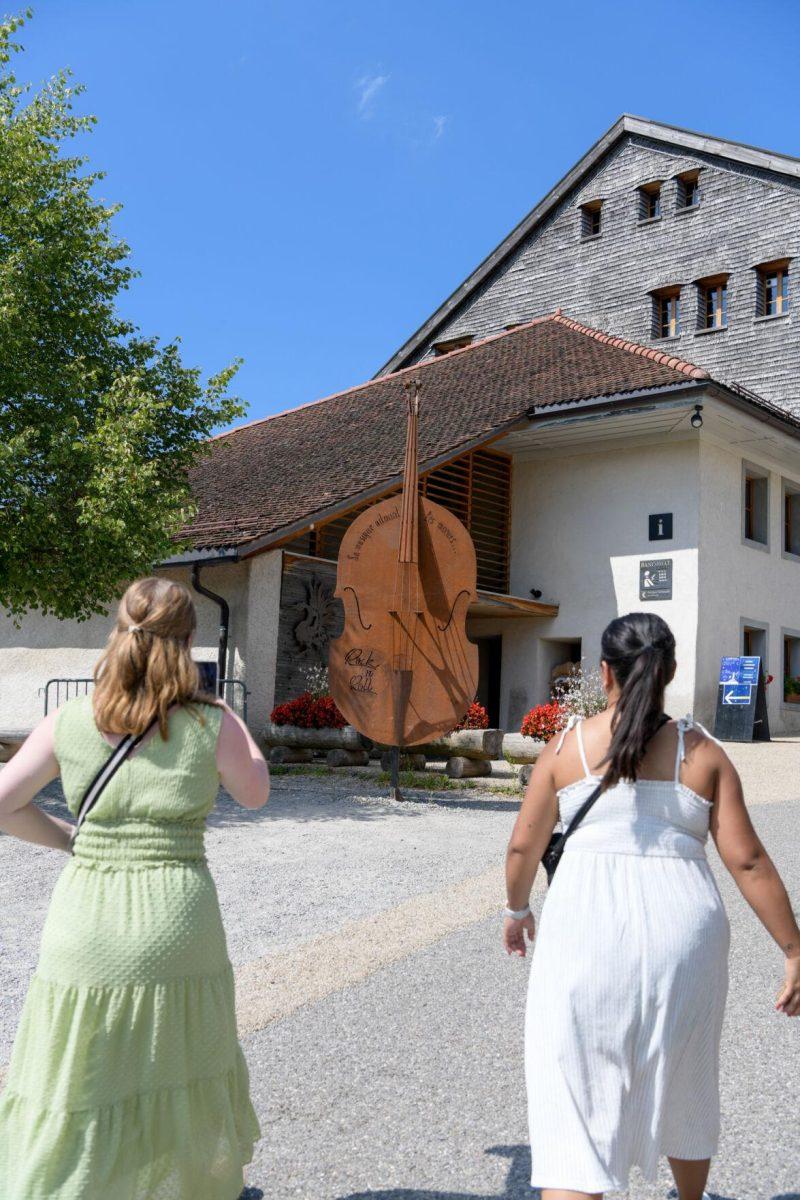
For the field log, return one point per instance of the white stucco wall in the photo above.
(740, 583)
(579, 530)
(44, 648)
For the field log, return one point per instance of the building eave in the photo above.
(759, 408)
(621, 402)
(627, 125)
(201, 554)
(684, 393)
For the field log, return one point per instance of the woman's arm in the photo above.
(755, 876)
(241, 765)
(32, 768)
(532, 831)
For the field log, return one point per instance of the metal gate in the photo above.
(58, 691)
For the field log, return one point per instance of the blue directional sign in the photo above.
(740, 670)
(736, 693)
(741, 714)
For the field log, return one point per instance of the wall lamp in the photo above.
(697, 417)
(536, 593)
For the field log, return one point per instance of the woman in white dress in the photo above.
(630, 969)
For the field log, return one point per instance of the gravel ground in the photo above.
(409, 1086)
(317, 857)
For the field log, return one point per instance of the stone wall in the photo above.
(309, 617)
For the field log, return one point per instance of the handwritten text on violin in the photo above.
(368, 662)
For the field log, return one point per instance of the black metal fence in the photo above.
(58, 691)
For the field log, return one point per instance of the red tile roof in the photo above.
(266, 476)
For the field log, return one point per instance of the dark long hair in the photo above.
(640, 650)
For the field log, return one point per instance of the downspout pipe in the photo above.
(224, 623)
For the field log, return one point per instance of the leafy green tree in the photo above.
(98, 423)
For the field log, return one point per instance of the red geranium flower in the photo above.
(545, 721)
(476, 717)
(309, 712)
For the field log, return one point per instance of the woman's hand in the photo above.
(514, 934)
(789, 996)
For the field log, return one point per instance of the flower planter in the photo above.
(300, 738)
(794, 698)
(465, 743)
(517, 748)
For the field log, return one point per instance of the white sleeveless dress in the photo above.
(627, 988)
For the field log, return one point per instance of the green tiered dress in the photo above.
(127, 1081)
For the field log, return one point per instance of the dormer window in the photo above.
(456, 343)
(650, 202)
(591, 219)
(666, 313)
(712, 303)
(688, 190)
(772, 295)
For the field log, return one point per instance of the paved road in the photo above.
(383, 1023)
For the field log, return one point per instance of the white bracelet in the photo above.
(518, 914)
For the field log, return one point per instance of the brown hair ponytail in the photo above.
(640, 650)
(147, 665)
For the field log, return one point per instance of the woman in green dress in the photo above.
(127, 1080)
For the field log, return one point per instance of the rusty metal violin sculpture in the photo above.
(403, 670)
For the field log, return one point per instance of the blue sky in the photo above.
(304, 182)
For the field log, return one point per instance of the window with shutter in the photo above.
(772, 292)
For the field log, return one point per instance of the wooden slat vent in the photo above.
(477, 488)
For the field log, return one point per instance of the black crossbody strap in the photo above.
(107, 773)
(590, 800)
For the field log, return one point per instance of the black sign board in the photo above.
(655, 579)
(741, 701)
(660, 526)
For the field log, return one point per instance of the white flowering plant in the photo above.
(581, 692)
(316, 680)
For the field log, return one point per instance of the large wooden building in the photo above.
(609, 403)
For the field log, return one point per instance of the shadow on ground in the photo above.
(302, 802)
(517, 1184)
(460, 801)
(303, 809)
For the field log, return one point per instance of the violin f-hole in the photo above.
(446, 626)
(358, 607)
